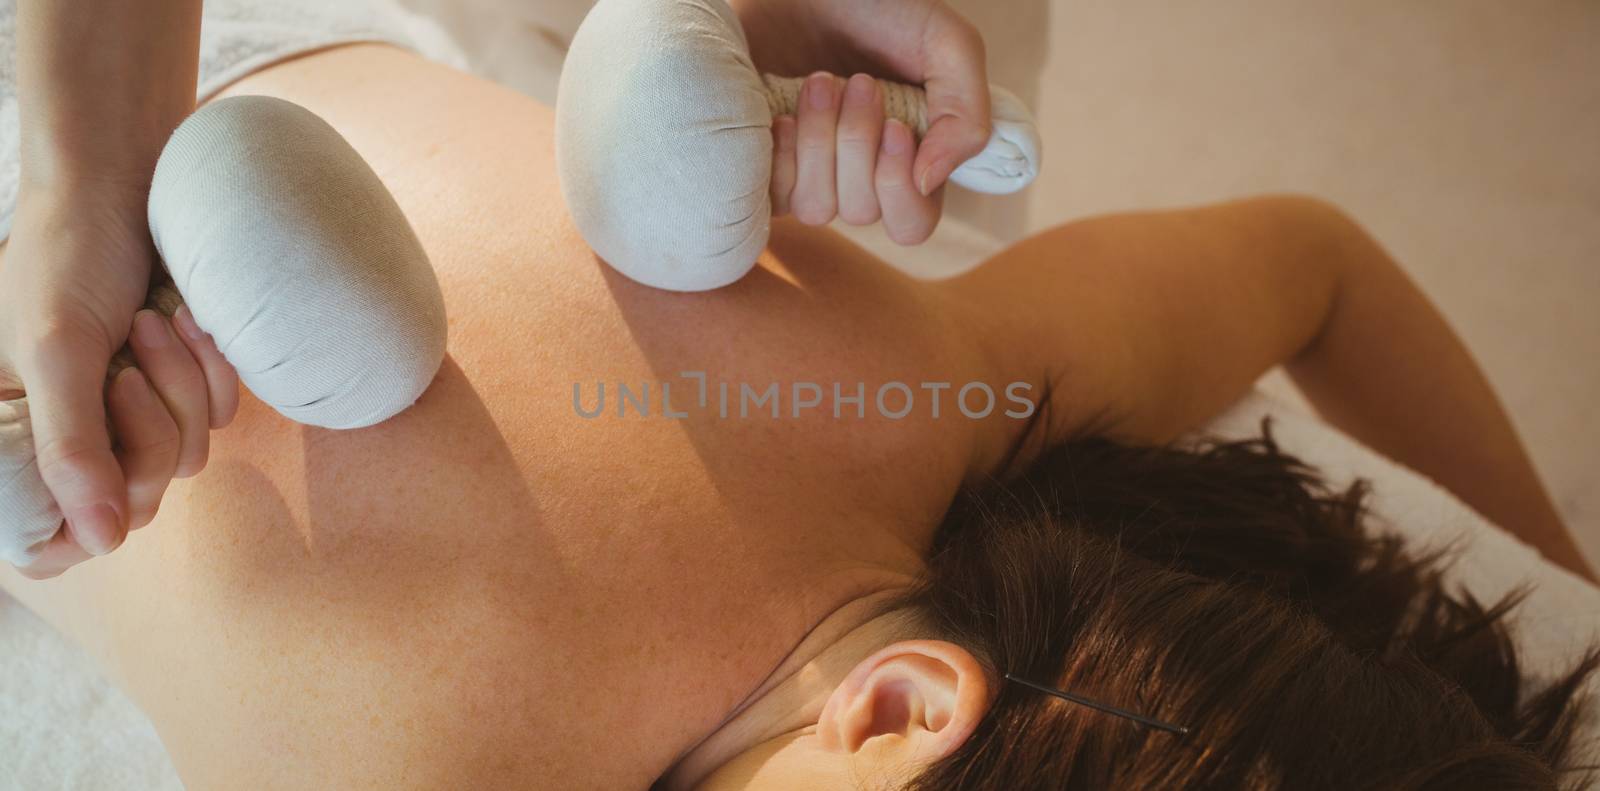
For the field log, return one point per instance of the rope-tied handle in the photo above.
(1007, 163)
(907, 104)
(164, 299)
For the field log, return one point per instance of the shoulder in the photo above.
(1140, 325)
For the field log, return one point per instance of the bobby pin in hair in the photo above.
(1098, 706)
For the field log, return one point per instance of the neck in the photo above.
(791, 699)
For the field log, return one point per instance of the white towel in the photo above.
(62, 725)
(1559, 618)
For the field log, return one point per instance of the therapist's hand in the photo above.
(839, 157)
(101, 90)
(921, 42)
(76, 270)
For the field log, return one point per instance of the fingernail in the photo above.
(819, 90)
(150, 330)
(859, 91)
(186, 323)
(896, 138)
(96, 528)
(923, 180)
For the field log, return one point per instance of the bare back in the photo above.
(492, 589)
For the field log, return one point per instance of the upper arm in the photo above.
(1142, 325)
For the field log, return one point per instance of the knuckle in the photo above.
(219, 371)
(61, 460)
(814, 145)
(890, 185)
(190, 382)
(977, 136)
(859, 142)
(55, 339)
(860, 213)
(909, 232)
(145, 494)
(56, 325)
(166, 444)
(74, 315)
(970, 36)
(813, 211)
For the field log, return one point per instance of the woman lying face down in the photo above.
(491, 591)
(1219, 587)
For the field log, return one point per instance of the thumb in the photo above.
(957, 85)
(65, 380)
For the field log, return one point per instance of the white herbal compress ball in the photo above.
(296, 259)
(664, 142)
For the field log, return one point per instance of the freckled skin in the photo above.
(489, 591)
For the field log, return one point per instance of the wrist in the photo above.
(64, 146)
(58, 165)
(108, 200)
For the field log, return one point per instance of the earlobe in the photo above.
(925, 696)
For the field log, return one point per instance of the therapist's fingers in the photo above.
(783, 163)
(148, 443)
(222, 381)
(65, 377)
(909, 216)
(178, 380)
(814, 201)
(957, 87)
(60, 554)
(860, 127)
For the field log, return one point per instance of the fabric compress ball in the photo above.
(293, 255)
(664, 142)
(29, 517)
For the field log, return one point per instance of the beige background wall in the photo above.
(1464, 133)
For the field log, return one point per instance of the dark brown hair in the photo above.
(1224, 588)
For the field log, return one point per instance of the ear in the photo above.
(926, 696)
